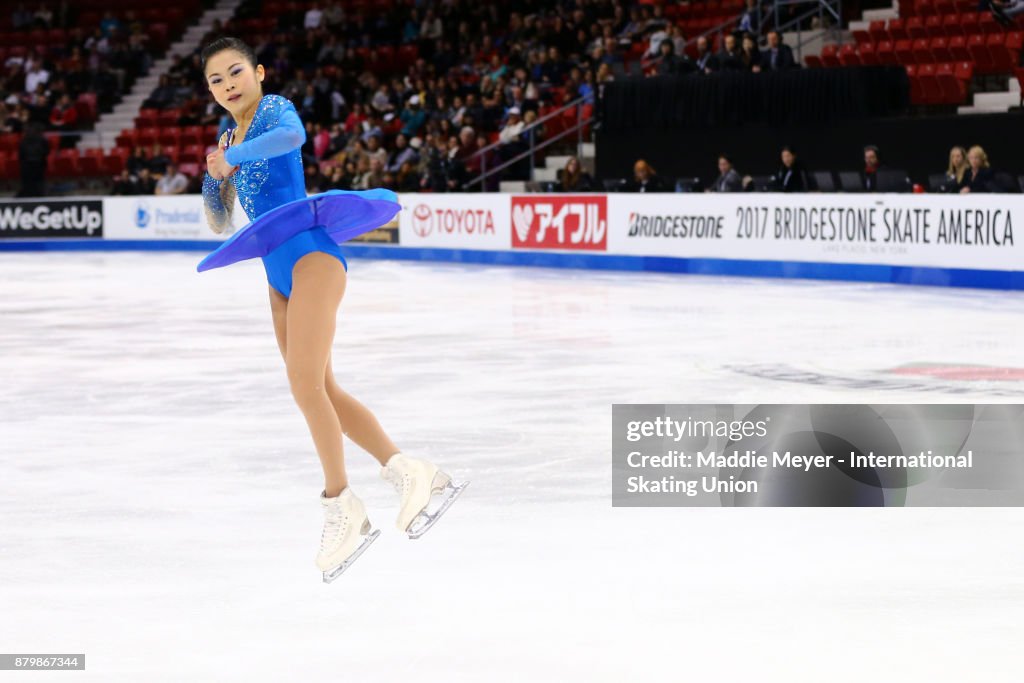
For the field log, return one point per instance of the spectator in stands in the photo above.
(403, 153)
(374, 150)
(791, 176)
(124, 184)
(1002, 10)
(706, 61)
(872, 164)
(35, 75)
(749, 55)
(777, 56)
(21, 18)
(729, 58)
(63, 119)
(750, 19)
(315, 180)
(979, 178)
(314, 18)
(32, 152)
(573, 178)
(163, 96)
(645, 179)
(728, 179)
(144, 183)
(413, 117)
(158, 161)
(172, 182)
(957, 168)
(671, 64)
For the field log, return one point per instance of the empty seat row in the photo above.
(992, 53)
(929, 27)
(940, 83)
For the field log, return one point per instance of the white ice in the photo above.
(159, 509)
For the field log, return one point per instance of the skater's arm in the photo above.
(286, 136)
(218, 214)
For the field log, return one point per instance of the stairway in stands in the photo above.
(109, 126)
(948, 48)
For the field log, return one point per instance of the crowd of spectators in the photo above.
(969, 171)
(482, 74)
(41, 84)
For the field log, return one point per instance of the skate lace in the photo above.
(334, 530)
(397, 479)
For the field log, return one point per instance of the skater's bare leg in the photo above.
(357, 422)
(318, 284)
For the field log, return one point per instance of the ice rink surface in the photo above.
(160, 505)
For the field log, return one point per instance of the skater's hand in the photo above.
(217, 166)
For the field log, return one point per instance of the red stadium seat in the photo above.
(861, 35)
(897, 29)
(1002, 60)
(868, 56)
(980, 55)
(958, 49)
(904, 51)
(944, 7)
(969, 22)
(192, 135)
(91, 162)
(933, 26)
(170, 137)
(923, 51)
(915, 28)
(952, 25)
(878, 31)
(813, 61)
(931, 92)
(830, 55)
(987, 23)
(886, 53)
(147, 137)
(147, 118)
(954, 89)
(940, 49)
(916, 94)
(848, 55)
(193, 154)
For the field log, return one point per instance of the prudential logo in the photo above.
(143, 215)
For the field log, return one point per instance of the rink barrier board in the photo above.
(903, 275)
(607, 232)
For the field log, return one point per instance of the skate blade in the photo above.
(422, 522)
(332, 574)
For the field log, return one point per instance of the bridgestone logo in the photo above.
(52, 219)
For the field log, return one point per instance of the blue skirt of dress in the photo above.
(344, 214)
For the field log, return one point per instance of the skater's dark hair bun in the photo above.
(228, 43)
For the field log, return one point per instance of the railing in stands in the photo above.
(828, 12)
(580, 105)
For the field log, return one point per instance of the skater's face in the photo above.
(234, 82)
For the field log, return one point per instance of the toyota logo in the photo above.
(422, 220)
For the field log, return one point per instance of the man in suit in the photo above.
(777, 56)
(706, 62)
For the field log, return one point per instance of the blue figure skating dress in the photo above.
(285, 223)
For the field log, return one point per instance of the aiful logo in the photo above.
(560, 222)
(443, 221)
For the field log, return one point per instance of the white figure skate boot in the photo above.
(417, 481)
(347, 533)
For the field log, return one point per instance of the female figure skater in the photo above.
(297, 238)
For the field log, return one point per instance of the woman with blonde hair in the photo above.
(979, 176)
(957, 168)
